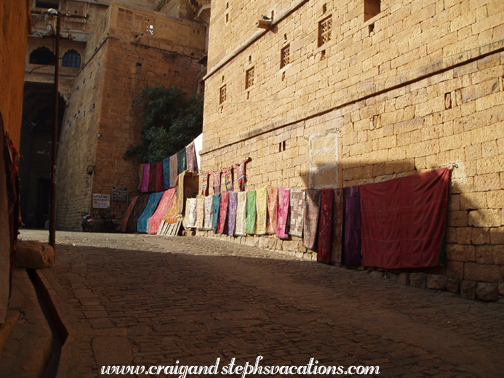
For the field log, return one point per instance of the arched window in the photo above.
(42, 55)
(71, 59)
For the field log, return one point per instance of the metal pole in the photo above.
(52, 212)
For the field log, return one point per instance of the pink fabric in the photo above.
(282, 212)
(204, 185)
(192, 164)
(216, 180)
(145, 181)
(157, 217)
(272, 209)
(223, 212)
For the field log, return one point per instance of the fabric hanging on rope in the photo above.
(272, 210)
(311, 217)
(145, 178)
(207, 224)
(191, 213)
(198, 146)
(250, 219)
(282, 212)
(159, 177)
(140, 176)
(216, 180)
(352, 225)
(241, 213)
(224, 200)
(150, 208)
(215, 211)
(181, 161)
(337, 236)
(297, 204)
(152, 178)
(325, 226)
(129, 210)
(192, 164)
(261, 210)
(137, 211)
(170, 216)
(231, 219)
(228, 178)
(204, 185)
(157, 217)
(166, 174)
(200, 213)
(240, 173)
(404, 220)
(173, 170)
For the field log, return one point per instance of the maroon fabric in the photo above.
(159, 177)
(223, 210)
(404, 220)
(352, 221)
(152, 177)
(324, 227)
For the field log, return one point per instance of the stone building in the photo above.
(336, 94)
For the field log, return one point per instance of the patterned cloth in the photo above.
(200, 213)
(143, 221)
(204, 185)
(325, 227)
(166, 173)
(282, 212)
(159, 177)
(261, 210)
(207, 223)
(181, 161)
(216, 180)
(297, 204)
(173, 170)
(140, 176)
(215, 211)
(157, 217)
(272, 210)
(137, 211)
(152, 178)
(228, 178)
(311, 217)
(124, 222)
(145, 179)
(192, 164)
(250, 220)
(191, 214)
(240, 169)
(241, 213)
(231, 219)
(170, 216)
(338, 214)
(221, 227)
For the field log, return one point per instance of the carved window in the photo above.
(249, 78)
(222, 94)
(71, 59)
(42, 55)
(285, 56)
(325, 28)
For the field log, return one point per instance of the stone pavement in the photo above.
(150, 300)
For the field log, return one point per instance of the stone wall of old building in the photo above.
(413, 87)
(102, 122)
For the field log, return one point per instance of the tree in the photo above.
(170, 122)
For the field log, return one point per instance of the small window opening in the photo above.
(324, 9)
(325, 28)
(249, 80)
(371, 8)
(227, 18)
(71, 59)
(42, 55)
(222, 94)
(371, 29)
(322, 55)
(250, 58)
(285, 56)
(281, 146)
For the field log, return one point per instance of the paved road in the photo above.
(149, 300)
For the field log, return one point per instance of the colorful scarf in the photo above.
(192, 164)
(282, 212)
(272, 209)
(231, 219)
(228, 178)
(170, 216)
(181, 161)
(140, 204)
(159, 177)
(311, 217)
(250, 220)
(200, 213)
(145, 179)
(352, 222)
(216, 180)
(157, 217)
(215, 211)
(338, 214)
(240, 168)
(124, 222)
(191, 213)
(166, 173)
(207, 223)
(143, 221)
(223, 212)
(297, 203)
(241, 214)
(140, 176)
(261, 210)
(152, 177)
(173, 170)
(204, 185)
(325, 227)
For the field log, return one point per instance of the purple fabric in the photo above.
(145, 181)
(352, 226)
(231, 220)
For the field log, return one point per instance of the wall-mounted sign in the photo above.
(119, 194)
(101, 201)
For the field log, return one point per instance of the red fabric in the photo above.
(159, 177)
(404, 220)
(157, 217)
(223, 212)
(324, 227)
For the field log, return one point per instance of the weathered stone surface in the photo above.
(501, 288)
(376, 273)
(34, 255)
(436, 281)
(403, 278)
(487, 291)
(112, 350)
(483, 273)
(468, 289)
(418, 280)
(453, 286)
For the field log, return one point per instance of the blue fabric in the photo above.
(215, 211)
(150, 208)
(166, 173)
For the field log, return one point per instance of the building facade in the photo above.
(329, 94)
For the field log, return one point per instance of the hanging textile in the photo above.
(221, 227)
(200, 212)
(282, 212)
(325, 226)
(157, 217)
(173, 170)
(191, 215)
(311, 217)
(207, 224)
(241, 213)
(240, 169)
(170, 216)
(192, 164)
(204, 185)
(337, 236)
(166, 174)
(272, 210)
(152, 178)
(150, 208)
(216, 180)
(352, 224)
(404, 220)
(145, 179)
(297, 204)
(228, 178)
(129, 210)
(198, 146)
(261, 210)
(140, 176)
(250, 220)
(231, 219)
(137, 211)
(215, 211)
(181, 161)
(159, 177)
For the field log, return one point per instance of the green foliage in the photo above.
(170, 122)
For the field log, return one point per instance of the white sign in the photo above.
(101, 201)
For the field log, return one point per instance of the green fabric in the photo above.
(181, 161)
(250, 219)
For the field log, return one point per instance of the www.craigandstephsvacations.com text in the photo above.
(183, 371)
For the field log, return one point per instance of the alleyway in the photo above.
(149, 300)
